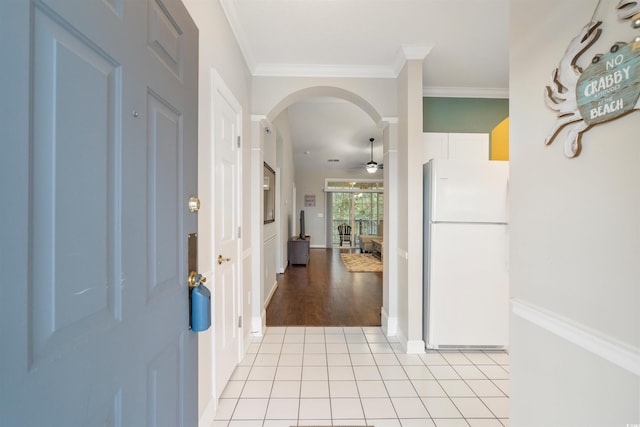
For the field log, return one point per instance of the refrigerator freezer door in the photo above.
(468, 286)
(469, 191)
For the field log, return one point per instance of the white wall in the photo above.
(269, 92)
(217, 50)
(284, 148)
(575, 238)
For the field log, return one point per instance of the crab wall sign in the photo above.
(607, 89)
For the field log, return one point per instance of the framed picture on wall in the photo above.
(268, 187)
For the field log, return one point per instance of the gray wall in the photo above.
(575, 238)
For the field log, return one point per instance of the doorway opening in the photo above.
(358, 204)
(313, 157)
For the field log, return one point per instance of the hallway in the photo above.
(324, 293)
(297, 376)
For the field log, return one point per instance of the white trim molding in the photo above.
(273, 290)
(610, 349)
(208, 414)
(229, 9)
(323, 70)
(389, 324)
(415, 347)
(410, 346)
(409, 52)
(256, 326)
(465, 92)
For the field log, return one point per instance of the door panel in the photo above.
(164, 387)
(227, 114)
(73, 83)
(164, 156)
(164, 38)
(102, 160)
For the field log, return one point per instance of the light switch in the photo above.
(320, 215)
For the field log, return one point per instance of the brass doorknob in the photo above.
(196, 279)
(221, 259)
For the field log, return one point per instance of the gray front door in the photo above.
(97, 162)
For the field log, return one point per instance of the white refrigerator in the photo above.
(466, 279)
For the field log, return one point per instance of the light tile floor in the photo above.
(297, 376)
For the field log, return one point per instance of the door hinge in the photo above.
(239, 232)
(239, 321)
(238, 141)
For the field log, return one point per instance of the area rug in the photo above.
(361, 262)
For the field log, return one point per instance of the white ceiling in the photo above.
(467, 41)
(330, 128)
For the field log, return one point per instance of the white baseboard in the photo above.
(415, 347)
(256, 325)
(273, 290)
(609, 348)
(410, 346)
(208, 415)
(389, 324)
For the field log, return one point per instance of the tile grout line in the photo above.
(378, 362)
(465, 382)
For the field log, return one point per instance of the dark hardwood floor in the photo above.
(324, 293)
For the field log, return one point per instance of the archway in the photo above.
(263, 126)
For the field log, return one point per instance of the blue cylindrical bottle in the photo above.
(200, 308)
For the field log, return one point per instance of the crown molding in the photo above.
(409, 52)
(465, 92)
(229, 9)
(317, 70)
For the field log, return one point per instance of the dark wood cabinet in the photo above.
(298, 250)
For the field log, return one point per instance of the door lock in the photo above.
(196, 279)
(221, 259)
(194, 204)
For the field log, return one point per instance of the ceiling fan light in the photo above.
(371, 166)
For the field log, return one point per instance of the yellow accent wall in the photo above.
(500, 141)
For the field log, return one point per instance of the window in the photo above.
(359, 204)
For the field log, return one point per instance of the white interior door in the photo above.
(227, 123)
(99, 164)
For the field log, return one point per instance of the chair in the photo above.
(344, 231)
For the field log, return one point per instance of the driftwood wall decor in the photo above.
(608, 88)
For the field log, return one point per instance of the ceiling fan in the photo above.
(372, 166)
